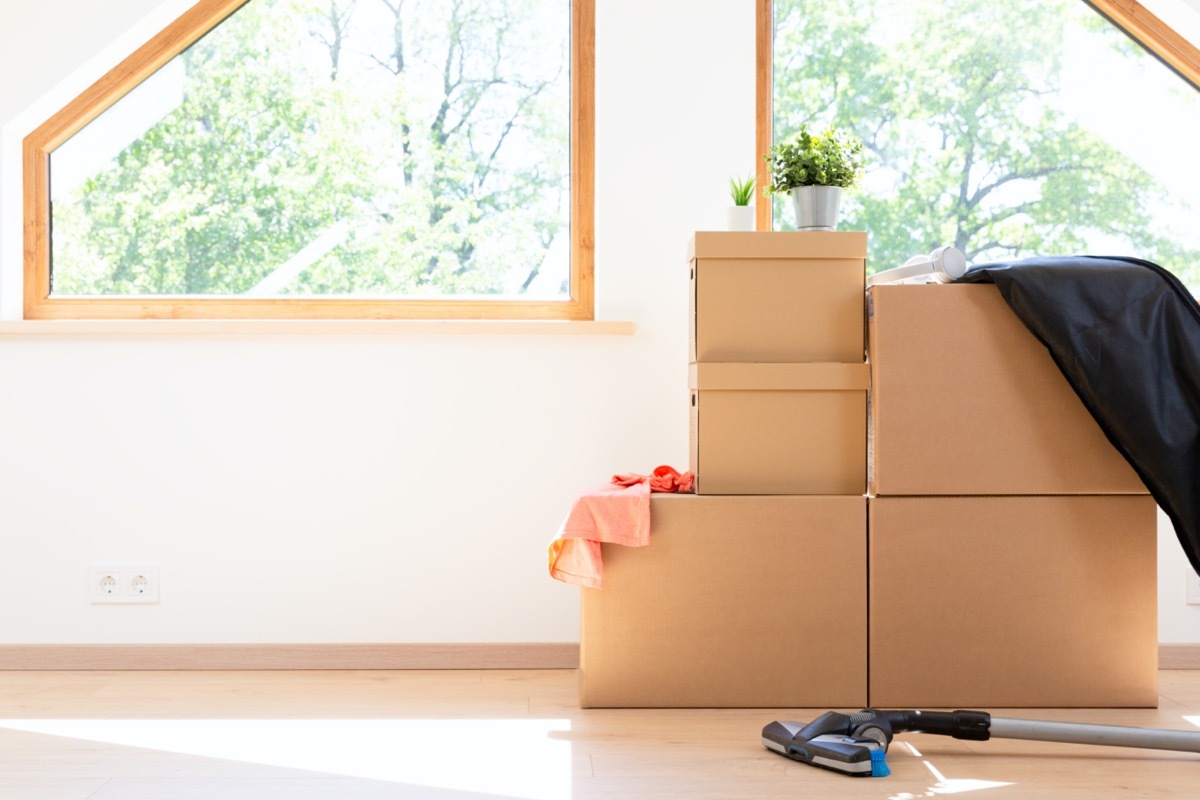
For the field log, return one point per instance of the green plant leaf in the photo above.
(741, 190)
(832, 158)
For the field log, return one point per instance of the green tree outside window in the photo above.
(976, 134)
(415, 148)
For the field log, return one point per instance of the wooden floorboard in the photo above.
(471, 734)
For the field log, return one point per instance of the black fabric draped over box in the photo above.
(1126, 335)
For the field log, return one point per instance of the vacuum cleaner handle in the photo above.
(980, 726)
(1090, 733)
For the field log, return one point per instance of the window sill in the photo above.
(331, 327)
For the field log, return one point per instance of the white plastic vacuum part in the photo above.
(943, 265)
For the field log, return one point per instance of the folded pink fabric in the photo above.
(617, 512)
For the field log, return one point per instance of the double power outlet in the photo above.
(125, 583)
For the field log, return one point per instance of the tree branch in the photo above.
(449, 86)
(481, 172)
(339, 22)
(1040, 172)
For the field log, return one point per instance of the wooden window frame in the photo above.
(1177, 53)
(174, 39)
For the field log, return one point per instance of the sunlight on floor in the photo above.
(526, 758)
(1194, 720)
(944, 785)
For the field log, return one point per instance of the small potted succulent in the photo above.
(814, 170)
(740, 215)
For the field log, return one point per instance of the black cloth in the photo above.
(1126, 334)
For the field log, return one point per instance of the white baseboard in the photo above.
(538, 655)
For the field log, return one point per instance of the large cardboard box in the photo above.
(780, 297)
(964, 400)
(779, 428)
(736, 602)
(983, 602)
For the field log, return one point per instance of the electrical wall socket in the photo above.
(1193, 588)
(125, 583)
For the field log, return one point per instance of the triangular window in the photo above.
(349, 158)
(1006, 129)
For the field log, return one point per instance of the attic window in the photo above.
(1005, 129)
(351, 158)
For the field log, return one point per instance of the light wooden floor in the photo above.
(470, 734)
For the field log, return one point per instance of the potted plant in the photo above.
(741, 214)
(814, 170)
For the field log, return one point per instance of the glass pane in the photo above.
(340, 147)
(1005, 129)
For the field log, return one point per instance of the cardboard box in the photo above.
(779, 428)
(777, 297)
(737, 602)
(983, 602)
(964, 400)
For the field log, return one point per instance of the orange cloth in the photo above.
(663, 479)
(617, 512)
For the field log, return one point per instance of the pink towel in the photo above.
(617, 512)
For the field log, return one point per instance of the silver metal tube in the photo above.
(1083, 733)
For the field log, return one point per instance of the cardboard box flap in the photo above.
(778, 244)
(779, 377)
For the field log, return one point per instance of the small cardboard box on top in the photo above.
(749, 602)
(779, 428)
(783, 297)
(981, 602)
(966, 401)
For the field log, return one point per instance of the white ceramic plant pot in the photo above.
(816, 207)
(740, 218)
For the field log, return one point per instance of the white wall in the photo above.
(385, 489)
(1177, 623)
(390, 489)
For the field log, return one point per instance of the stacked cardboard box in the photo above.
(753, 590)
(778, 376)
(1012, 549)
(737, 602)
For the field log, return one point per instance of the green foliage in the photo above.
(831, 158)
(741, 190)
(959, 103)
(415, 148)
